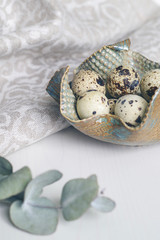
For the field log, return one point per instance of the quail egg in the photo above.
(122, 80)
(112, 104)
(150, 83)
(86, 80)
(92, 103)
(131, 109)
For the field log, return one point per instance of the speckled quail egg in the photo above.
(112, 104)
(86, 80)
(131, 109)
(92, 103)
(122, 80)
(150, 83)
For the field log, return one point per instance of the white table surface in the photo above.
(129, 175)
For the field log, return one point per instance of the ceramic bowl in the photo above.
(109, 128)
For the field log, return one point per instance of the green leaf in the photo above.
(103, 204)
(14, 198)
(15, 183)
(77, 195)
(37, 215)
(5, 168)
(35, 187)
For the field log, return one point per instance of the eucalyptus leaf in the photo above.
(77, 195)
(103, 204)
(35, 187)
(5, 168)
(14, 198)
(37, 215)
(15, 183)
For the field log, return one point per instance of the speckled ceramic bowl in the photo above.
(109, 128)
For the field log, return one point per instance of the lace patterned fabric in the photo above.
(39, 37)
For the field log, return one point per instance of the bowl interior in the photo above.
(103, 61)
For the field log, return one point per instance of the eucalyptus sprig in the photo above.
(35, 214)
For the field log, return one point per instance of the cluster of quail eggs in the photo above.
(129, 95)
